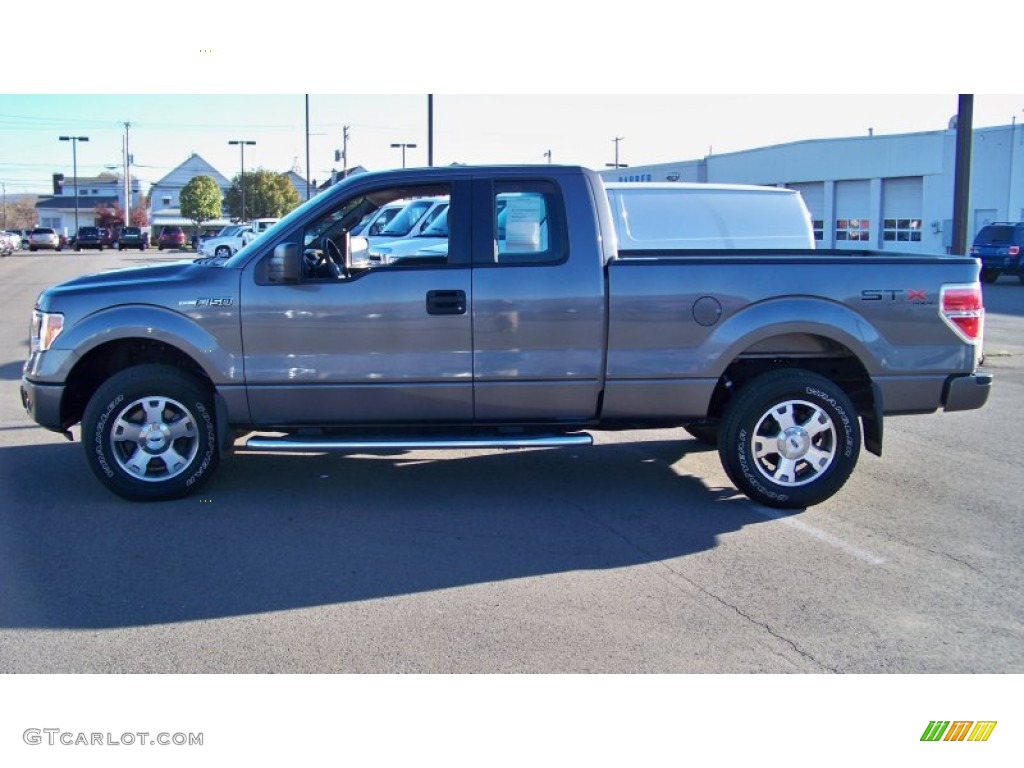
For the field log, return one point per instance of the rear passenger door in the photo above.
(538, 303)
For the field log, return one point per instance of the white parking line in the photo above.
(833, 541)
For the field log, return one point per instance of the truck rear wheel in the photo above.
(149, 433)
(790, 439)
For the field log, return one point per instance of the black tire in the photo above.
(149, 433)
(792, 412)
(705, 432)
(989, 275)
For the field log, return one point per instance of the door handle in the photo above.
(446, 302)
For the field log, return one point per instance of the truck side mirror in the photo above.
(284, 264)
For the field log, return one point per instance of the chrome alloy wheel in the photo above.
(154, 439)
(794, 443)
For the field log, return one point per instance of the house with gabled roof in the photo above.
(60, 210)
(165, 195)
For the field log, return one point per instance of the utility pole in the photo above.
(962, 172)
(344, 151)
(241, 179)
(548, 156)
(127, 178)
(309, 191)
(430, 130)
(74, 162)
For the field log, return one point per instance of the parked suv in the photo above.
(171, 237)
(1000, 246)
(133, 237)
(92, 237)
(43, 238)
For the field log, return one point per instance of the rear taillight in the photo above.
(964, 311)
(1014, 250)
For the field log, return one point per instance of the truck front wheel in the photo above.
(149, 433)
(790, 439)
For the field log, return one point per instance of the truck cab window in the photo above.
(527, 219)
(338, 246)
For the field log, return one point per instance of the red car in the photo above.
(171, 237)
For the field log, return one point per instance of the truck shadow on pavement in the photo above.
(274, 532)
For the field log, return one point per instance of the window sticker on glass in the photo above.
(523, 217)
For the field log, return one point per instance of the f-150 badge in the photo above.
(222, 302)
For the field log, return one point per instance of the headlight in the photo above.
(46, 326)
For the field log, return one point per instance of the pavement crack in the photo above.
(653, 559)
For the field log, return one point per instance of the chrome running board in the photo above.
(311, 443)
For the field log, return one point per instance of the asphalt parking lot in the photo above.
(636, 555)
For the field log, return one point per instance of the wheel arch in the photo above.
(105, 359)
(822, 354)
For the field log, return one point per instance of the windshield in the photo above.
(439, 227)
(403, 223)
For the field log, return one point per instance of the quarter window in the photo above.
(528, 223)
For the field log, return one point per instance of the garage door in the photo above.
(901, 214)
(814, 198)
(853, 217)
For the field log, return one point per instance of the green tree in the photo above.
(200, 200)
(267, 194)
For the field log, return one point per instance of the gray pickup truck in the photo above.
(529, 329)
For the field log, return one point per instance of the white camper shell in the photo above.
(680, 216)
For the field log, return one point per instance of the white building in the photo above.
(880, 192)
(104, 191)
(165, 195)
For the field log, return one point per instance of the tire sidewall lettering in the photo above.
(210, 445)
(99, 437)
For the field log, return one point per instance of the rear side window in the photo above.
(528, 219)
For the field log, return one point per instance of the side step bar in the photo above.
(310, 443)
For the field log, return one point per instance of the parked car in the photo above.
(792, 356)
(93, 237)
(22, 237)
(1000, 246)
(171, 237)
(401, 250)
(9, 243)
(375, 222)
(133, 237)
(256, 228)
(45, 238)
(228, 242)
(412, 220)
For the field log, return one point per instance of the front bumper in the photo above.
(42, 402)
(965, 393)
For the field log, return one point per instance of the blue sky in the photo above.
(578, 129)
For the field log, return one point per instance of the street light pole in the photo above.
(74, 168)
(403, 147)
(241, 179)
(616, 164)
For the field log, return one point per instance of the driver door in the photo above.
(375, 344)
